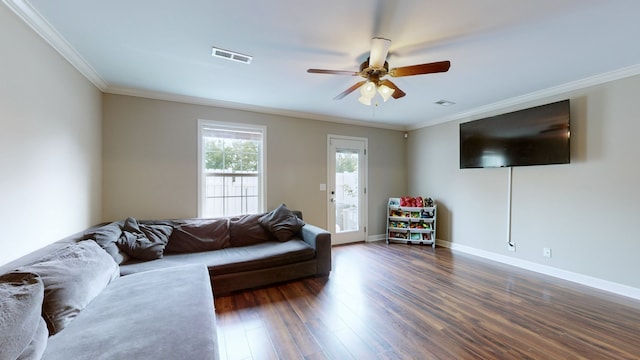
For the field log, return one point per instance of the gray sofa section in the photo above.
(241, 267)
(166, 313)
(124, 322)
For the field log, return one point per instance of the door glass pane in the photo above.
(346, 197)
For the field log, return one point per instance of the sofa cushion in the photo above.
(196, 235)
(24, 332)
(282, 223)
(246, 230)
(162, 314)
(72, 277)
(260, 256)
(38, 343)
(232, 259)
(144, 242)
(107, 237)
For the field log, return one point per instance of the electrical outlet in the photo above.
(511, 246)
(546, 252)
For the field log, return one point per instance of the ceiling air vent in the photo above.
(230, 55)
(444, 102)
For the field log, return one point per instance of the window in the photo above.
(231, 163)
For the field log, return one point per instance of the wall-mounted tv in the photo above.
(534, 136)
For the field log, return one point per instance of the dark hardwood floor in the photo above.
(413, 302)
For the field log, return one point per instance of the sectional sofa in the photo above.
(144, 289)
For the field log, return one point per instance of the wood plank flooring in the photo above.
(414, 302)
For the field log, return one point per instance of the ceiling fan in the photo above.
(376, 67)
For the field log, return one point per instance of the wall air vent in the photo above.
(230, 55)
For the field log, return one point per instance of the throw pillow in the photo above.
(281, 222)
(72, 277)
(245, 230)
(107, 237)
(194, 235)
(23, 330)
(144, 242)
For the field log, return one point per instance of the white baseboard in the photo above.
(590, 281)
(597, 283)
(378, 237)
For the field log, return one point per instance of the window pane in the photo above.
(231, 171)
(231, 194)
(346, 190)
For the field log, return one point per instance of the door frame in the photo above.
(331, 186)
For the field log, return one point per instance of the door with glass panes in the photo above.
(346, 189)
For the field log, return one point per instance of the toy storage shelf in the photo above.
(411, 225)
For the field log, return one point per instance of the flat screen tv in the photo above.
(534, 136)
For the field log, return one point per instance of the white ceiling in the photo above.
(500, 50)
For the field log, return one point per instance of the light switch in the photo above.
(323, 187)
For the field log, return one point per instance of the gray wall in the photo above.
(50, 141)
(586, 211)
(150, 160)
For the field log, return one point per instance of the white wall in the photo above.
(150, 160)
(586, 211)
(50, 143)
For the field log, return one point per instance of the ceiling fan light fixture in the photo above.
(379, 50)
(385, 92)
(375, 68)
(368, 90)
(365, 100)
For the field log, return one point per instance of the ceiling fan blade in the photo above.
(349, 90)
(333, 72)
(379, 51)
(397, 92)
(430, 68)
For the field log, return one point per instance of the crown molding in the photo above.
(246, 107)
(32, 17)
(537, 95)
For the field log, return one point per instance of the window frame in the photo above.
(262, 165)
